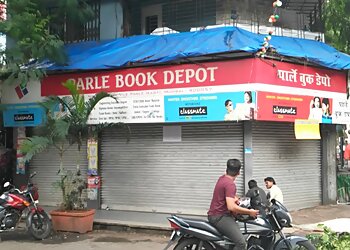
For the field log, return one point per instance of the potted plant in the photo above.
(64, 129)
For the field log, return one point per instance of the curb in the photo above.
(125, 226)
(314, 229)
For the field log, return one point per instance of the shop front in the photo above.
(22, 112)
(187, 120)
(167, 168)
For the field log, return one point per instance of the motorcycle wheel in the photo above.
(191, 244)
(40, 226)
(305, 245)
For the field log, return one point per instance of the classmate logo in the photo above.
(284, 110)
(21, 91)
(184, 111)
(23, 117)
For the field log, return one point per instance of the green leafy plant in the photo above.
(63, 131)
(330, 240)
(337, 24)
(35, 30)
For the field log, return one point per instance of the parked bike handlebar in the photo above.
(14, 189)
(32, 175)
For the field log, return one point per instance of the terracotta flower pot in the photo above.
(80, 221)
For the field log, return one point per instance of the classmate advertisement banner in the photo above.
(230, 106)
(288, 108)
(23, 115)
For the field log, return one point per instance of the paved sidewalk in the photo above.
(128, 238)
(337, 217)
(96, 240)
(304, 220)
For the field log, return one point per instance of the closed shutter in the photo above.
(46, 165)
(294, 164)
(147, 174)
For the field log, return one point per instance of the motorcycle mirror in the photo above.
(6, 184)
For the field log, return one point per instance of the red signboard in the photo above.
(151, 78)
(253, 70)
(299, 76)
(283, 107)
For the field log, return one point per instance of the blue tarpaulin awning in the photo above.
(151, 49)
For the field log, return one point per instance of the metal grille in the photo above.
(182, 15)
(147, 174)
(46, 165)
(151, 23)
(70, 31)
(295, 164)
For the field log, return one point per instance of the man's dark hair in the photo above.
(233, 167)
(227, 102)
(252, 184)
(270, 179)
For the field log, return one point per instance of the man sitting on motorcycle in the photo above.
(224, 205)
(257, 197)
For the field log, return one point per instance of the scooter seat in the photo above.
(201, 224)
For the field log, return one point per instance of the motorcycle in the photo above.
(260, 233)
(15, 204)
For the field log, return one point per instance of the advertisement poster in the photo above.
(23, 115)
(20, 162)
(93, 182)
(283, 107)
(21, 165)
(93, 185)
(131, 107)
(341, 111)
(92, 194)
(307, 130)
(231, 106)
(92, 157)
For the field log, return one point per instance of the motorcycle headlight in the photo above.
(284, 218)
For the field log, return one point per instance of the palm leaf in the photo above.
(92, 102)
(78, 96)
(50, 103)
(60, 129)
(34, 145)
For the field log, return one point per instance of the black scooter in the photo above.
(260, 233)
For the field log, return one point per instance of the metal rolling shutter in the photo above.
(46, 165)
(295, 164)
(147, 174)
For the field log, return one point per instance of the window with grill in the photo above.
(151, 23)
(70, 31)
